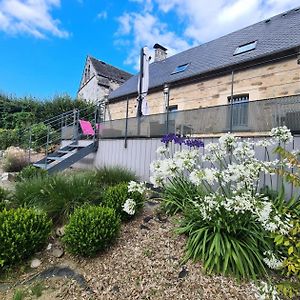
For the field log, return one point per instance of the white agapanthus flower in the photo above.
(162, 150)
(207, 174)
(265, 291)
(228, 141)
(272, 261)
(214, 152)
(281, 134)
(129, 207)
(265, 143)
(139, 187)
(244, 151)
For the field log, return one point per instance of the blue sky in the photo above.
(43, 43)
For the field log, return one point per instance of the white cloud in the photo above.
(147, 30)
(30, 17)
(102, 15)
(205, 22)
(198, 21)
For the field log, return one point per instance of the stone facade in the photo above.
(272, 80)
(99, 79)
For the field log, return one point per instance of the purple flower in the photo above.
(177, 139)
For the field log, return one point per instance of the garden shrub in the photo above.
(91, 229)
(30, 172)
(58, 195)
(14, 159)
(8, 137)
(4, 197)
(289, 248)
(22, 233)
(116, 196)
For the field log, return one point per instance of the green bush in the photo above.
(58, 195)
(14, 159)
(30, 172)
(116, 196)
(114, 175)
(8, 137)
(91, 229)
(289, 248)
(22, 233)
(4, 197)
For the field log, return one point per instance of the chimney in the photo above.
(160, 52)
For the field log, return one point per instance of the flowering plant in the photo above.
(228, 220)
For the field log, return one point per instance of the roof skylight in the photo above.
(180, 68)
(245, 48)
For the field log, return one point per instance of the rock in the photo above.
(161, 219)
(142, 226)
(57, 252)
(49, 247)
(115, 288)
(35, 263)
(60, 231)
(4, 177)
(183, 273)
(8, 176)
(147, 219)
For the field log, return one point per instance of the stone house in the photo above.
(261, 61)
(99, 79)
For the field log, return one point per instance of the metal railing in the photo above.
(248, 117)
(47, 136)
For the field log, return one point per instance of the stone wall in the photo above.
(273, 80)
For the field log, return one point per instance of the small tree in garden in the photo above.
(229, 223)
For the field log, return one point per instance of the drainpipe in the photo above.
(126, 123)
(166, 104)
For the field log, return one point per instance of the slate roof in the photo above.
(275, 35)
(109, 71)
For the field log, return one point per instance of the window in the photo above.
(238, 111)
(180, 68)
(245, 48)
(172, 111)
(87, 73)
(173, 108)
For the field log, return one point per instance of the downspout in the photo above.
(166, 104)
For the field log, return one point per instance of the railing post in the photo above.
(47, 146)
(61, 129)
(231, 102)
(29, 145)
(75, 125)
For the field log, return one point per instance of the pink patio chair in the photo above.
(87, 128)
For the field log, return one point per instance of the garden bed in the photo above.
(145, 263)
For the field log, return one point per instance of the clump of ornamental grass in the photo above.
(14, 159)
(58, 195)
